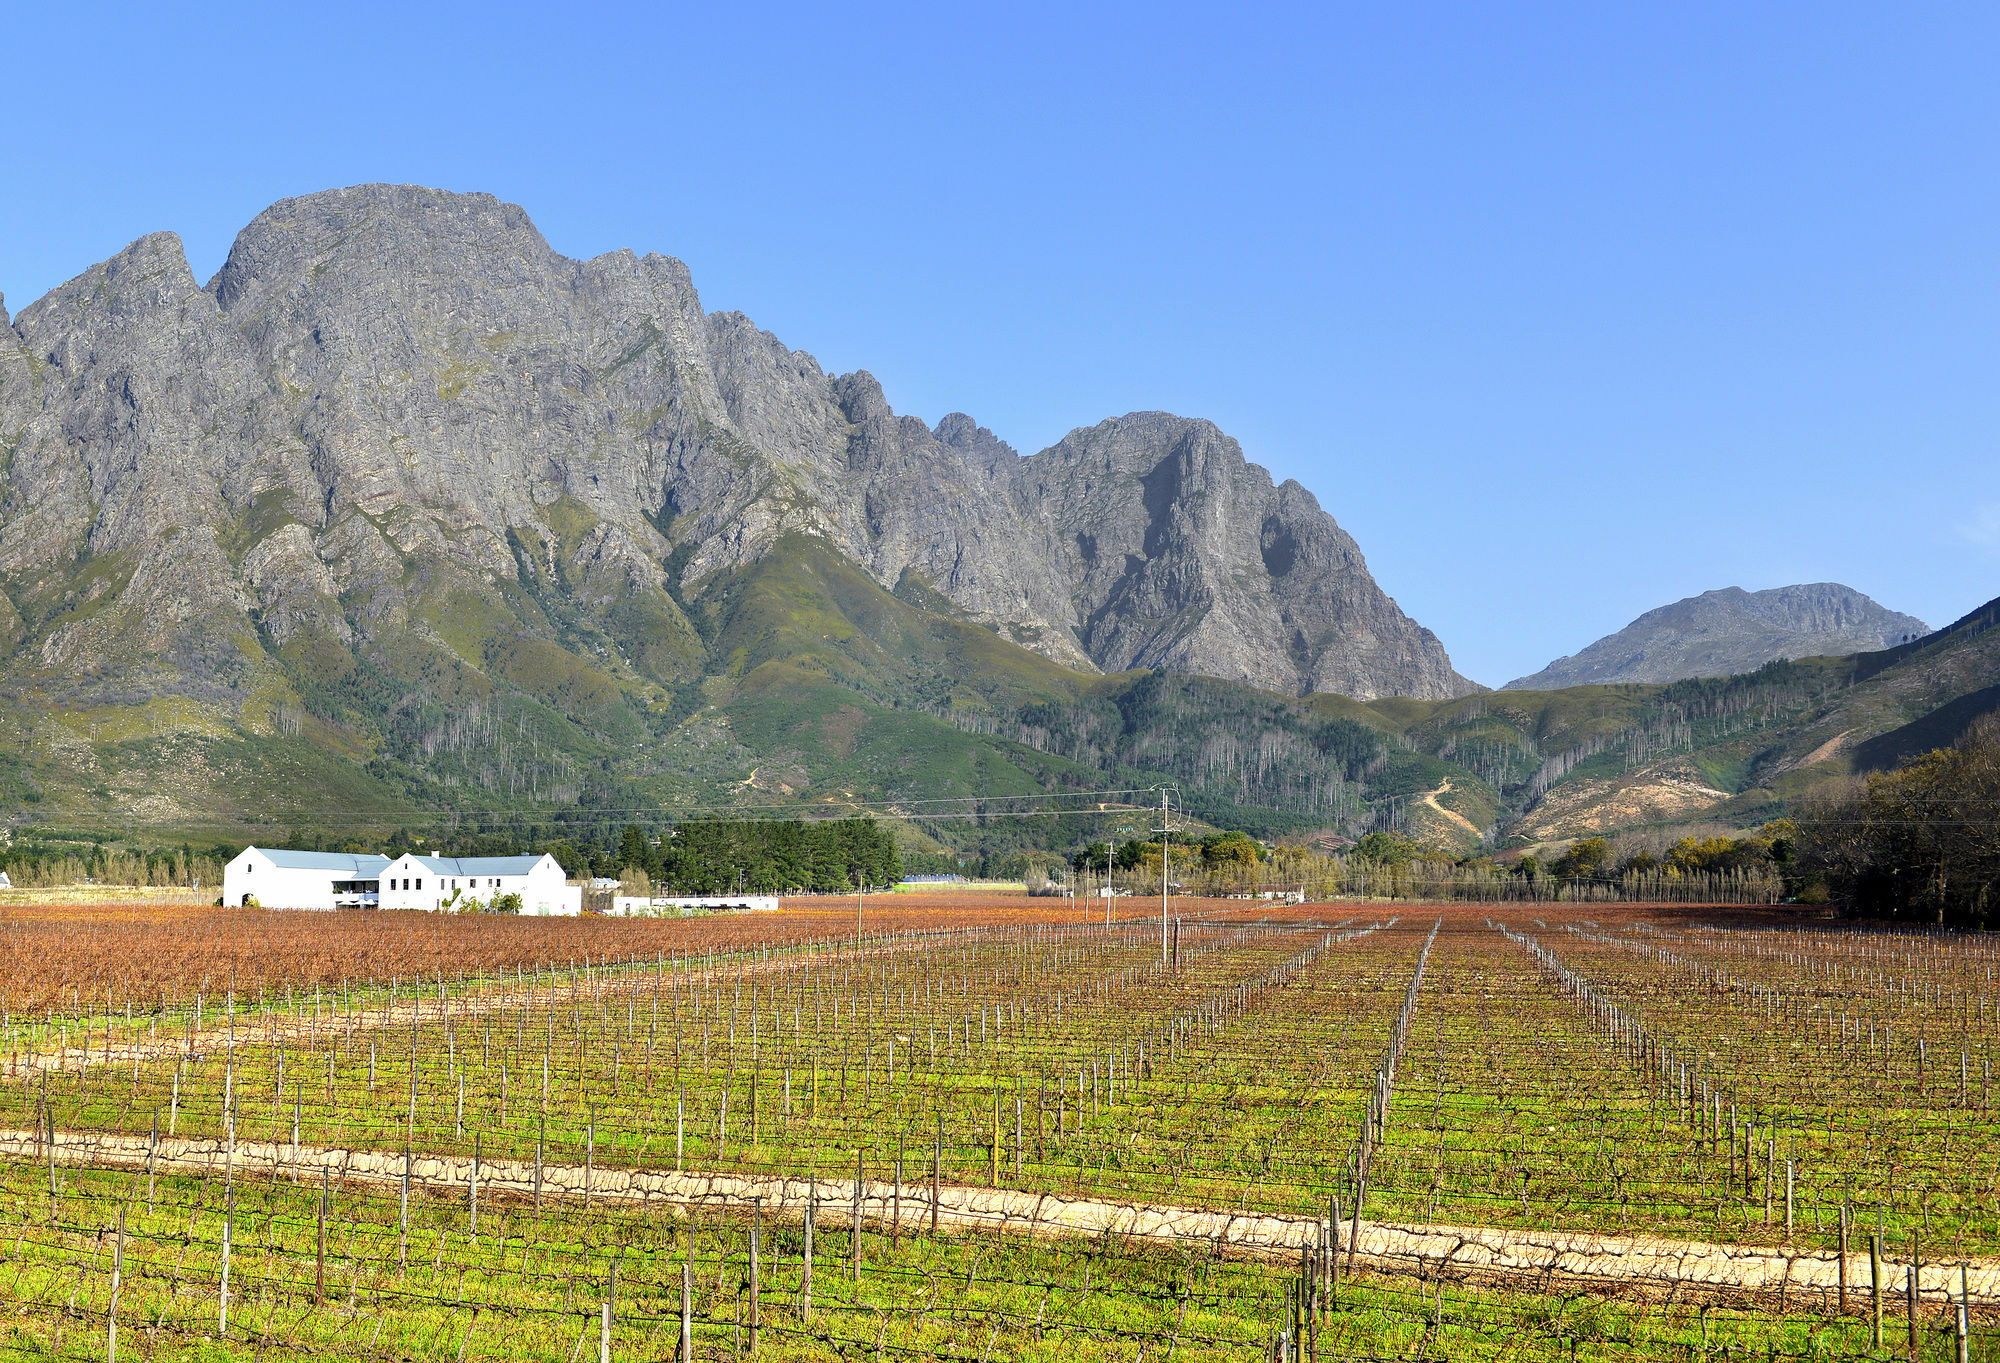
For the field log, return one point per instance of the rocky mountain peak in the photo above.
(1189, 558)
(396, 226)
(861, 398)
(393, 397)
(1730, 630)
(147, 278)
(980, 446)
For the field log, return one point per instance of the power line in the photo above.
(1105, 802)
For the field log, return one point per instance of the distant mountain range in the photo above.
(1721, 633)
(404, 519)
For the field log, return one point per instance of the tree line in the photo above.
(1701, 868)
(750, 856)
(43, 867)
(1920, 843)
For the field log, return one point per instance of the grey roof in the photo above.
(362, 865)
(481, 866)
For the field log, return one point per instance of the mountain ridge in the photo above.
(405, 505)
(1729, 631)
(480, 375)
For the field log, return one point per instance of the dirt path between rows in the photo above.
(286, 1028)
(1656, 1267)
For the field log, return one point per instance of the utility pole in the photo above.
(1110, 847)
(1165, 874)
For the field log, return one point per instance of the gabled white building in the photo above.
(279, 878)
(451, 883)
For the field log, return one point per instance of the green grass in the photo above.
(1510, 1108)
(1512, 1111)
(531, 1283)
(1239, 1112)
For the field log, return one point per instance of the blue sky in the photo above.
(1565, 311)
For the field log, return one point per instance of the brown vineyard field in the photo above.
(168, 953)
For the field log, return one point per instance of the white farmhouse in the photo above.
(449, 883)
(279, 878)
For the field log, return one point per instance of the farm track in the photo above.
(1654, 1267)
(359, 1020)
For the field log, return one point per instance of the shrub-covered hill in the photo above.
(802, 684)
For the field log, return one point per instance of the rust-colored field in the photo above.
(151, 953)
(155, 953)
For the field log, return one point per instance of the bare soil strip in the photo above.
(1450, 815)
(1682, 1269)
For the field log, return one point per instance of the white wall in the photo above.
(561, 900)
(544, 890)
(641, 906)
(275, 887)
(426, 890)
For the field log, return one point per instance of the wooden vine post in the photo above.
(319, 1271)
(1875, 1289)
(687, 1311)
(756, 1268)
(806, 1270)
(117, 1280)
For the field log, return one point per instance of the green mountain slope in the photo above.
(554, 700)
(1737, 749)
(797, 678)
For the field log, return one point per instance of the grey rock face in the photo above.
(1724, 632)
(389, 394)
(1184, 556)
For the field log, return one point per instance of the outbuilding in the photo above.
(651, 906)
(280, 878)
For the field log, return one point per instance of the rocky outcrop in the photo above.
(391, 401)
(1722, 633)
(1184, 556)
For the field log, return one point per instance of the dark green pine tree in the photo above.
(635, 853)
